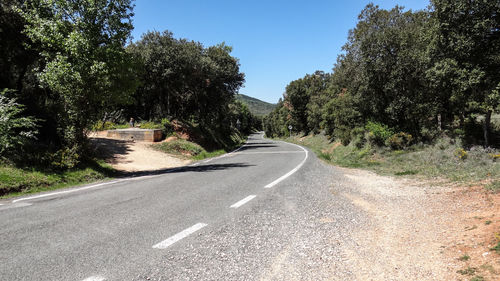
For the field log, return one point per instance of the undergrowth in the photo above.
(16, 181)
(186, 149)
(445, 159)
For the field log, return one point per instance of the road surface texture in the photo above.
(268, 211)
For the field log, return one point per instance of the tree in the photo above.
(389, 48)
(15, 130)
(469, 45)
(184, 80)
(84, 61)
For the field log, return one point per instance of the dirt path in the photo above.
(134, 156)
(423, 232)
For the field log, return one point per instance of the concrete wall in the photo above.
(150, 135)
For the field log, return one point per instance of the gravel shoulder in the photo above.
(417, 231)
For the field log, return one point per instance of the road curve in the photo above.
(262, 212)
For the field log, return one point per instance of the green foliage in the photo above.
(467, 271)
(15, 130)
(179, 147)
(496, 248)
(15, 181)
(84, 62)
(464, 258)
(181, 79)
(65, 158)
(103, 126)
(494, 186)
(377, 133)
(425, 73)
(399, 140)
(429, 161)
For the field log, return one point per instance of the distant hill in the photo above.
(256, 106)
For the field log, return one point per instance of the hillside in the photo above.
(256, 106)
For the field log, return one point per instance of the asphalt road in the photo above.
(264, 212)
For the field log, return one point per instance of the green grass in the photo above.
(443, 161)
(16, 181)
(468, 271)
(494, 186)
(496, 248)
(464, 258)
(186, 149)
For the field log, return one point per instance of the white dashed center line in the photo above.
(183, 234)
(243, 201)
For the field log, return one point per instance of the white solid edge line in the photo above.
(243, 201)
(183, 234)
(269, 152)
(111, 182)
(292, 171)
(66, 191)
(94, 278)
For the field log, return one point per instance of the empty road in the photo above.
(263, 212)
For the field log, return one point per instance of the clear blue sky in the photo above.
(276, 41)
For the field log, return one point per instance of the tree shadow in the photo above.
(249, 147)
(184, 169)
(109, 150)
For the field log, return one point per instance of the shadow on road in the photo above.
(198, 168)
(251, 146)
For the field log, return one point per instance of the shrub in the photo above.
(150, 125)
(167, 127)
(103, 126)
(65, 158)
(377, 133)
(399, 141)
(179, 147)
(15, 131)
(461, 153)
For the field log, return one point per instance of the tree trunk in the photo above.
(440, 127)
(486, 128)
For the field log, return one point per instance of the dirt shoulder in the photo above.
(423, 232)
(134, 156)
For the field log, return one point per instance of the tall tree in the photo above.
(468, 47)
(85, 64)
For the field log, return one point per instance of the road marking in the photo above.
(271, 152)
(66, 191)
(1, 204)
(95, 278)
(243, 201)
(292, 171)
(183, 234)
(14, 205)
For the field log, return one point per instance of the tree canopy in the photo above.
(417, 73)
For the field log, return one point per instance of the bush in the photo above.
(15, 131)
(150, 125)
(103, 126)
(377, 133)
(179, 147)
(167, 127)
(399, 141)
(65, 158)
